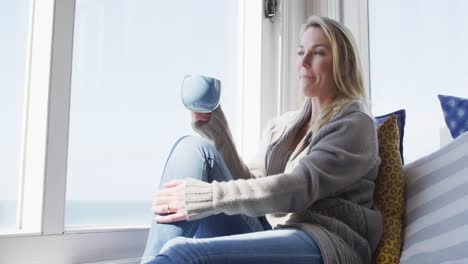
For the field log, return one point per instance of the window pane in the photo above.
(14, 29)
(129, 60)
(418, 50)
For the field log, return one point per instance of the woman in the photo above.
(313, 177)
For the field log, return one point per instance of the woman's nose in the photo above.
(305, 61)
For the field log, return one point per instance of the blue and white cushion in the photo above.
(455, 114)
(436, 216)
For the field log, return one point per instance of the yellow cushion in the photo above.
(389, 193)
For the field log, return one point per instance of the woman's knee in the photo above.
(195, 145)
(178, 250)
(191, 156)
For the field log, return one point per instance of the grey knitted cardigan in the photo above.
(327, 191)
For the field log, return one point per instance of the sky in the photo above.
(418, 49)
(13, 46)
(130, 57)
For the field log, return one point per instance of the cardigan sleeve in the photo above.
(345, 152)
(218, 132)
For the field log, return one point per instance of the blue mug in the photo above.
(201, 93)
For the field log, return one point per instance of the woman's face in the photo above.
(315, 65)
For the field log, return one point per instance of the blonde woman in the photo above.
(313, 178)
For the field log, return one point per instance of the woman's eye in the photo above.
(300, 53)
(318, 53)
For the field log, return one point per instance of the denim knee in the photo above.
(178, 250)
(188, 143)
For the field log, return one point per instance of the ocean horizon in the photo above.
(89, 213)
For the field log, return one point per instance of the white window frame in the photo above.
(42, 238)
(279, 82)
(355, 15)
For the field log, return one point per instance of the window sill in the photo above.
(79, 230)
(17, 233)
(105, 229)
(76, 246)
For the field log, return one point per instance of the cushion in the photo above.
(455, 114)
(389, 192)
(401, 119)
(436, 216)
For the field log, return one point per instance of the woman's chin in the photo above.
(307, 91)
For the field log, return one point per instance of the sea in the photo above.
(89, 213)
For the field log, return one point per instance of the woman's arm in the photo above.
(345, 153)
(215, 128)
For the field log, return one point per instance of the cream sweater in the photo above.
(324, 188)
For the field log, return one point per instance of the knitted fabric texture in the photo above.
(328, 193)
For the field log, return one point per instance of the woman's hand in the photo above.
(171, 201)
(204, 117)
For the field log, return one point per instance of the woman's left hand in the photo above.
(171, 201)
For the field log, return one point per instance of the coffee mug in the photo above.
(201, 93)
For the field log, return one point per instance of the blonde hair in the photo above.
(346, 67)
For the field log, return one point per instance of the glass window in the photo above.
(417, 51)
(14, 29)
(129, 61)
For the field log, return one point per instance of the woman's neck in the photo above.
(318, 106)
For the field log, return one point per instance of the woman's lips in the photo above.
(310, 79)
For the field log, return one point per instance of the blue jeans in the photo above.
(220, 238)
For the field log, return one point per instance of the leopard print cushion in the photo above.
(389, 193)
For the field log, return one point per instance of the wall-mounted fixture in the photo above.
(270, 7)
